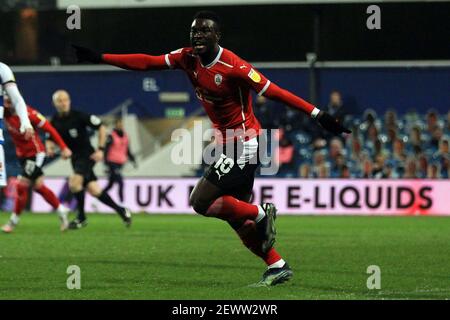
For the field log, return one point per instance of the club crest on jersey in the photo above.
(254, 76)
(218, 79)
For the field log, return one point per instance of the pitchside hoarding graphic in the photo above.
(292, 196)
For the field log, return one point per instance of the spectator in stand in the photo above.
(398, 157)
(433, 171)
(367, 169)
(305, 171)
(436, 136)
(319, 144)
(379, 149)
(335, 149)
(357, 154)
(371, 137)
(422, 167)
(338, 166)
(285, 154)
(410, 168)
(383, 169)
(336, 106)
(265, 110)
(391, 137)
(432, 121)
(345, 172)
(318, 161)
(319, 157)
(369, 117)
(415, 139)
(368, 120)
(390, 119)
(399, 150)
(372, 133)
(323, 171)
(388, 172)
(445, 168)
(443, 149)
(442, 157)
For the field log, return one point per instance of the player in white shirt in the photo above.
(8, 85)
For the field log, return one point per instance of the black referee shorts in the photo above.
(84, 166)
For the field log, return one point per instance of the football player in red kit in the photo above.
(223, 83)
(31, 155)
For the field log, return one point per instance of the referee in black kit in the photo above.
(73, 126)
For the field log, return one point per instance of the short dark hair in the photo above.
(210, 15)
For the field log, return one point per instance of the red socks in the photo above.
(231, 209)
(21, 199)
(235, 211)
(249, 236)
(48, 195)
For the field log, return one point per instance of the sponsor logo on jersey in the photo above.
(254, 76)
(40, 116)
(218, 79)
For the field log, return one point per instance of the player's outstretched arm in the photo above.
(327, 121)
(10, 86)
(51, 131)
(136, 61)
(244, 71)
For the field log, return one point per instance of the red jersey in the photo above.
(29, 148)
(223, 86)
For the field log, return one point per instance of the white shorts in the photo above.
(2, 167)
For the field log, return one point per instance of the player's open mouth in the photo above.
(199, 46)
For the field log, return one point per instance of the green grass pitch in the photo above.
(192, 257)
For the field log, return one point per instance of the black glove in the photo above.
(85, 54)
(330, 123)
